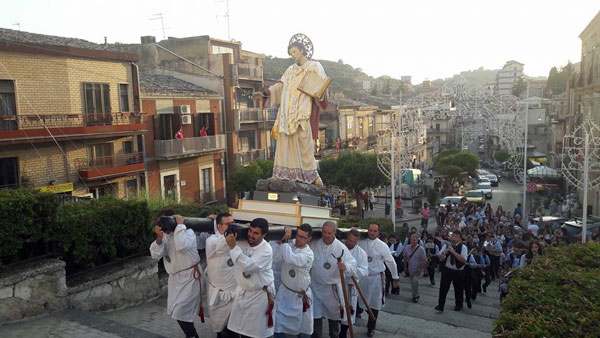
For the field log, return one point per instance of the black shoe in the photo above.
(484, 289)
(469, 305)
(415, 299)
(457, 308)
(439, 308)
(370, 333)
(432, 282)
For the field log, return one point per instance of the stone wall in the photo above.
(41, 287)
(130, 283)
(33, 290)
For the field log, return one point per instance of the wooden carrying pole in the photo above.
(364, 299)
(346, 301)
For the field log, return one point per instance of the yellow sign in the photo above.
(273, 197)
(57, 188)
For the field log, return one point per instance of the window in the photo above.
(127, 147)
(100, 155)
(8, 105)
(131, 188)
(9, 173)
(124, 97)
(247, 140)
(349, 126)
(97, 98)
(207, 193)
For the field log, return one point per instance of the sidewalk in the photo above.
(379, 212)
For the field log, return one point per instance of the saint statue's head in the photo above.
(300, 46)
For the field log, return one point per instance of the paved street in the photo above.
(401, 318)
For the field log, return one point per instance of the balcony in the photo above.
(249, 72)
(109, 166)
(271, 114)
(247, 157)
(28, 127)
(188, 147)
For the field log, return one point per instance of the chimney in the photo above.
(148, 39)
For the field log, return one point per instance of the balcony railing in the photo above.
(251, 114)
(189, 146)
(271, 114)
(248, 71)
(85, 164)
(30, 121)
(247, 157)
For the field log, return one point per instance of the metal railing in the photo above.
(83, 164)
(248, 71)
(30, 121)
(271, 114)
(191, 145)
(247, 157)
(250, 114)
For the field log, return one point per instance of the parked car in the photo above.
(486, 188)
(475, 196)
(493, 179)
(455, 200)
(572, 229)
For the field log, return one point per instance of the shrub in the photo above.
(95, 232)
(556, 296)
(25, 216)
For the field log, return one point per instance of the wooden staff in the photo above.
(346, 302)
(364, 299)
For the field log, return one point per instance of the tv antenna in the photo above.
(159, 16)
(18, 25)
(226, 15)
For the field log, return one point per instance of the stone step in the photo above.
(491, 298)
(409, 325)
(427, 312)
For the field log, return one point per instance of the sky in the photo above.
(427, 39)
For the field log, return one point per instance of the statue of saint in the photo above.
(297, 123)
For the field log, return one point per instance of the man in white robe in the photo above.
(296, 125)
(326, 285)
(221, 283)
(182, 263)
(362, 270)
(294, 314)
(373, 285)
(253, 306)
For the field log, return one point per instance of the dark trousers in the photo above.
(495, 262)
(372, 322)
(334, 328)
(476, 286)
(431, 271)
(388, 280)
(456, 278)
(468, 284)
(226, 333)
(188, 328)
(488, 276)
(344, 331)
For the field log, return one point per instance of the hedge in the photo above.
(84, 234)
(95, 232)
(25, 217)
(556, 296)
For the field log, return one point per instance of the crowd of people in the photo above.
(260, 288)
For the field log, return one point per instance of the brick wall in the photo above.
(53, 85)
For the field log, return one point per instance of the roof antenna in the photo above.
(18, 25)
(159, 16)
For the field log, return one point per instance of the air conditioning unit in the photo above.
(186, 118)
(185, 109)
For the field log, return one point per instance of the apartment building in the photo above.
(70, 117)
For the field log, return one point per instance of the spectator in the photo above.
(553, 208)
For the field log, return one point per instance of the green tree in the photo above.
(245, 178)
(452, 163)
(501, 155)
(352, 171)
